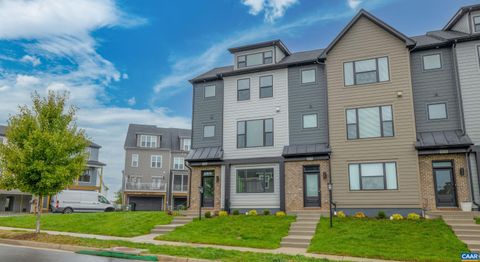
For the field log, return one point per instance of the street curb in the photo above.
(71, 248)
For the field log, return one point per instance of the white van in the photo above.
(69, 201)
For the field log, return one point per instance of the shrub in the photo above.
(176, 213)
(413, 216)
(359, 215)
(181, 207)
(381, 215)
(208, 214)
(266, 212)
(341, 214)
(216, 212)
(223, 214)
(280, 214)
(170, 212)
(252, 212)
(396, 217)
(235, 212)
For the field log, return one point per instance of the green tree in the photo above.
(119, 197)
(45, 150)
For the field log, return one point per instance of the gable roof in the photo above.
(459, 14)
(276, 42)
(363, 13)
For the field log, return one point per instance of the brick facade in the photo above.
(427, 179)
(294, 185)
(196, 179)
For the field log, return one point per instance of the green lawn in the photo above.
(191, 252)
(246, 231)
(123, 224)
(478, 220)
(424, 240)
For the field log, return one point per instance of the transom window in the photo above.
(369, 122)
(255, 133)
(180, 182)
(308, 76)
(134, 160)
(178, 163)
(266, 86)
(366, 71)
(243, 89)
(208, 131)
(476, 22)
(209, 91)
(373, 176)
(310, 121)
(431, 62)
(255, 59)
(148, 141)
(156, 161)
(255, 180)
(437, 111)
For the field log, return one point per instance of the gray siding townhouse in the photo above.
(155, 176)
(90, 180)
(390, 120)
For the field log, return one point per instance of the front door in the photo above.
(208, 184)
(311, 188)
(444, 184)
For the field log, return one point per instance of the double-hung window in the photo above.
(156, 161)
(187, 144)
(255, 180)
(134, 160)
(255, 133)
(366, 71)
(243, 89)
(476, 24)
(266, 86)
(373, 176)
(431, 62)
(370, 122)
(178, 163)
(148, 141)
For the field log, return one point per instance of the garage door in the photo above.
(146, 203)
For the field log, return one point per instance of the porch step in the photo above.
(294, 244)
(297, 238)
(177, 221)
(465, 237)
(298, 232)
(457, 220)
(302, 230)
(307, 219)
(472, 226)
(472, 244)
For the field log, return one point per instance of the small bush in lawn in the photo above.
(413, 216)
(223, 214)
(396, 217)
(359, 215)
(208, 214)
(341, 214)
(252, 212)
(381, 215)
(176, 213)
(216, 212)
(280, 214)
(235, 212)
(266, 212)
(182, 207)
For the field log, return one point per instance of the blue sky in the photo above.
(129, 61)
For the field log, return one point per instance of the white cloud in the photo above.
(354, 4)
(132, 101)
(125, 76)
(35, 61)
(273, 9)
(26, 81)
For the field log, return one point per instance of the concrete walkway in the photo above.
(149, 239)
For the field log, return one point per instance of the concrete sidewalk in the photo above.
(149, 239)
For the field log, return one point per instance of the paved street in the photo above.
(26, 254)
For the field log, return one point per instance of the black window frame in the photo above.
(475, 24)
(377, 74)
(432, 69)
(205, 91)
(357, 122)
(303, 120)
(244, 133)
(314, 76)
(271, 185)
(214, 131)
(249, 89)
(265, 59)
(439, 103)
(265, 87)
(384, 166)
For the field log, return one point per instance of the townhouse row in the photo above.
(391, 121)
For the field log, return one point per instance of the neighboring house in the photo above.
(386, 117)
(91, 180)
(155, 176)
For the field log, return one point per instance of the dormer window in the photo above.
(148, 141)
(187, 142)
(255, 59)
(476, 24)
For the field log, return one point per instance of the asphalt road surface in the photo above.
(27, 254)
